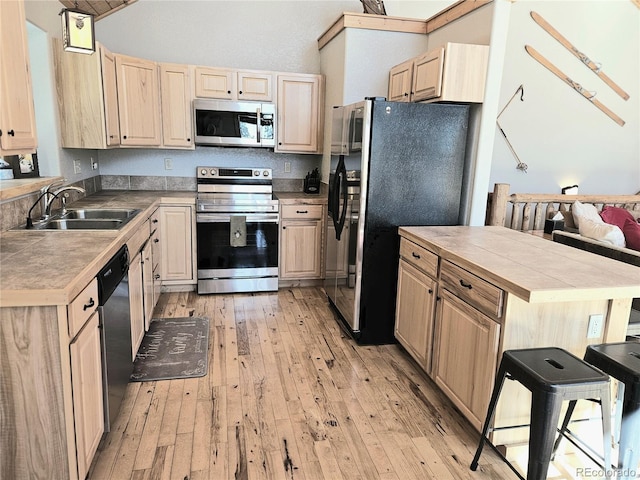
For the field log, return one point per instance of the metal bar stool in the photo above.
(622, 362)
(552, 375)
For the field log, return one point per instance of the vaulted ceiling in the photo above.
(99, 8)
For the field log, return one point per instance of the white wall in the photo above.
(560, 135)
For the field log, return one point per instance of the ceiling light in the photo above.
(77, 31)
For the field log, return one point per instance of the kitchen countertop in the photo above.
(534, 269)
(51, 267)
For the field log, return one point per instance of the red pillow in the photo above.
(616, 216)
(631, 231)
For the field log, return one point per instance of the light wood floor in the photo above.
(288, 396)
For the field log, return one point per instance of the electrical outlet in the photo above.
(94, 164)
(168, 164)
(77, 167)
(594, 330)
(287, 167)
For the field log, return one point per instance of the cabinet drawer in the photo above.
(293, 212)
(420, 257)
(474, 290)
(81, 308)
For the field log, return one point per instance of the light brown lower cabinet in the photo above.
(86, 385)
(176, 245)
(467, 344)
(415, 313)
(301, 236)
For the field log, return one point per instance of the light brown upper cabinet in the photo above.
(227, 84)
(300, 115)
(455, 72)
(138, 101)
(400, 82)
(17, 115)
(87, 98)
(176, 95)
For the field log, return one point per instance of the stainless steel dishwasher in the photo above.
(115, 322)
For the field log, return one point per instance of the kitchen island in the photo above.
(483, 290)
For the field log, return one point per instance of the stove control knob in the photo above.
(256, 173)
(203, 172)
(265, 173)
(212, 171)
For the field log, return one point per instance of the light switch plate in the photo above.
(77, 167)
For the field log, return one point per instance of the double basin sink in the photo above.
(88, 219)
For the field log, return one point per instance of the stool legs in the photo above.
(605, 408)
(490, 411)
(629, 455)
(545, 413)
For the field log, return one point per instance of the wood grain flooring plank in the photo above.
(150, 434)
(107, 453)
(181, 464)
(219, 461)
(169, 425)
(187, 417)
(326, 458)
(202, 436)
(126, 457)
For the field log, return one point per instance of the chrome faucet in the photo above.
(48, 201)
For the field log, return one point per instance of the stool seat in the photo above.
(622, 362)
(552, 375)
(550, 369)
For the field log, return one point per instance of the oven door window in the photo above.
(229, 125)
(215, 250)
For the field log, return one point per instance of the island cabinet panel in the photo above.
(415, 312)
(467, 348)
(499, 289)
(17, 114)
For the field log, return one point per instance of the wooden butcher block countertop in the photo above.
(534, 269)
(51, 267)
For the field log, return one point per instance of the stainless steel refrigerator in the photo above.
(392, 164)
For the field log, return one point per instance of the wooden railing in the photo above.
(528, 211)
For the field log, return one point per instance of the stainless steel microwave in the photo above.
(234, 124)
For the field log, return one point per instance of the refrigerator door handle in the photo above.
(340, 193)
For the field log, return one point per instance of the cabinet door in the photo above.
(136, 303)
(17, 116)
(176, 244)
(175, 91)
(215, 83)
(467, 344)
(255, 86)
(300, 253)
(110, 92)
(86, 385)
(427, 75)
(415, 313)
(299, 113)
(138, 101)
(400, 82)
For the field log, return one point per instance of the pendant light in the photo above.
(77, 31)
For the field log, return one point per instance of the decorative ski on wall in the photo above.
(576, 86)
(593, 66)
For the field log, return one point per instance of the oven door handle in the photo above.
(224, 218)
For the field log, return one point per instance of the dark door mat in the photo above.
(173, 348)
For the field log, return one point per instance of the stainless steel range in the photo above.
(237, 230)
